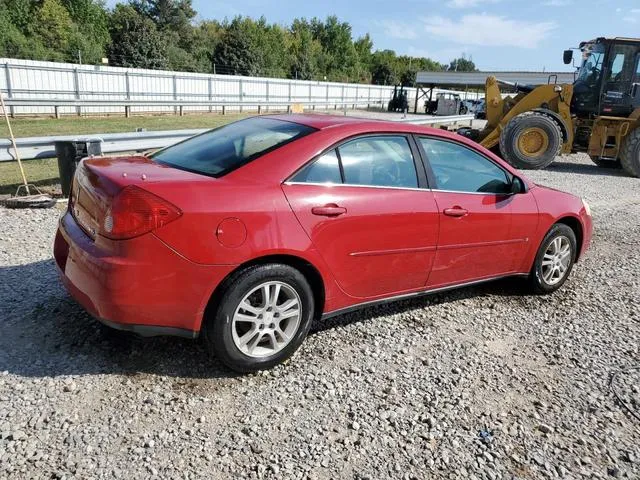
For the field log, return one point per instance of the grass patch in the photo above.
(40, 127)
(43, 173)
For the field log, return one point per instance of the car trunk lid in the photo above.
(99, 180)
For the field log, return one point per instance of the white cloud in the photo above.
(488, 30)
(468, 3)
(395, 29)
(633, 16)
(558, 3)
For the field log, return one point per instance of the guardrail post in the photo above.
(76, 87)
(267, 106)
(354, 105)
(210, 89)
(240, 94)
(368, 98)
(175, 94)
(326, 98)
(7, 73)
(127, 108)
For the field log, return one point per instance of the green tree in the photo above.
(305, 52)
(89, 35)
(234, 55)
(52, 26)
(462, 64)
(383, 68)
(135, 40)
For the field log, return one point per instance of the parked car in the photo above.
(247, 233)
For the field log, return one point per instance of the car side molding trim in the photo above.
(422, 293)
(494, 243)
(396, 251)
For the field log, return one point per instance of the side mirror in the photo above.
(517, 185)
(567, 57)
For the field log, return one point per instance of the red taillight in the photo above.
(134, 212)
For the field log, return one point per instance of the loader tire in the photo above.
(630, 153)
(605, 163)
(531, 140)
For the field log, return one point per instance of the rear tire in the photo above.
(630, 153)
(554, 260)
(605, 163)
(263, 315)
(531, 140)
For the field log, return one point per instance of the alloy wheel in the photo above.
(556, 260)
(266, 319)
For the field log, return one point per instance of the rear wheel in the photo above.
(531, 140)
(554, 260)
(630, 153)
(264, 314)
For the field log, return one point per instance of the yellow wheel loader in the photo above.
(598, 114)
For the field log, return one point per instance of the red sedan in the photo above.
(249, 232)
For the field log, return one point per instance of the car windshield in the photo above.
(592, 58)
(224, 149)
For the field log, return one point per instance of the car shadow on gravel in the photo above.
(45, 333)
(507, 287)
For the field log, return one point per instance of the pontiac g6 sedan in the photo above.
(247, 233)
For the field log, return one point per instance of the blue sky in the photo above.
(497, 34)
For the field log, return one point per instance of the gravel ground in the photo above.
(486, 382)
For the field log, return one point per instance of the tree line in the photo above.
(167, 34)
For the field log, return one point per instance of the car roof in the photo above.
(358, 124)
(321, 121)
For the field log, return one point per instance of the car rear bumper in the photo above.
(142, 286)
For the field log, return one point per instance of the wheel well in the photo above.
(574, 224)
(310, 272)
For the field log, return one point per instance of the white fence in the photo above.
(49, 81)
(99, 89)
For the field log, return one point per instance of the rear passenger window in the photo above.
(384, 161)
(460, 169)
(326, 169)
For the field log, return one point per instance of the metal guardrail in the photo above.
(282, 103)
(44, 147)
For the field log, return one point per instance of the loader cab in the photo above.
(608, 80)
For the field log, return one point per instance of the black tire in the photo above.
(536, 276)
(517, 126)
(630, 153)
(605, 163)
(217, 332)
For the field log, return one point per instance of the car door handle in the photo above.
(455, 211)
(330, 210)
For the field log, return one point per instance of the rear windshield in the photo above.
(224, 149)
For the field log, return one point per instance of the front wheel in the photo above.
(531, 140)
(263, 316)
(554, 260)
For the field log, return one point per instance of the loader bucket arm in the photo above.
(554, 97)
